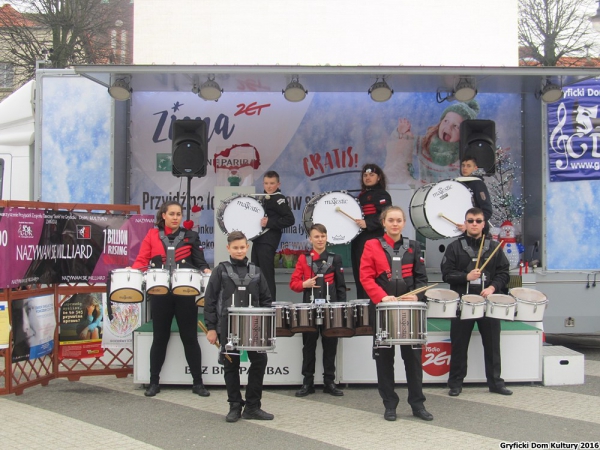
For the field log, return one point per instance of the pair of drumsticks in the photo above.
(479, 255)
(417, 291)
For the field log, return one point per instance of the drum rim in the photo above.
(528, 302)
(490, 301)
(389, 305)
(360, 301)
(435, 300)
(303, 306)
(259, 311)
(510, 292)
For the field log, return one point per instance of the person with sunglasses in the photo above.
(459, 271)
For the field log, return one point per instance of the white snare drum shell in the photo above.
(186, 282)
(472, 307)
(531, 304)
(126, 286)
(442, 303)
(500, 306)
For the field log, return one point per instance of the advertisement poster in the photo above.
(81, 327)
(4, 325)
(120, 321)
(33, 323)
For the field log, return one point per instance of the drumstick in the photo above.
(449, 220)
(479, 254)
(418, 291)
(489, 257)
(338, 209)
(216, 344)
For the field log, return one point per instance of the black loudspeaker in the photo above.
(478, 139)
(190, 148)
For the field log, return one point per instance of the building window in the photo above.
(7, 75)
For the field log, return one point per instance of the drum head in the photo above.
(528, 295)
(450, 198)
(472, 299)
(444, 295)
(501, 299)
(241, 213)
(327, 209)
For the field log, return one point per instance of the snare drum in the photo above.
(326, 208)
(401, 323)
(251, 329)
(157, 281)
(531, 304)
(450, 198)
(241, 213)
(126, 286)
(500, 306)
(282, 319)
(362, 322)
(472, 306)
(338, 320)
(442, 303)
(303, 318)
(186, 282)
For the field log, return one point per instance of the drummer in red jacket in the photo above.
(317, 275)
(392, 266)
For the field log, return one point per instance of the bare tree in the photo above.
(63, 32)
(552, 29)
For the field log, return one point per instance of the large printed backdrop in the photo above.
(317, 145)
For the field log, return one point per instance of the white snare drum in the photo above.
(203, 284)
(442, 303)
(326, 209)
(401, 323)
(450, 198)
(500, 306)
(338, 320)
(282, 319)
(241, 213)
(472, 306)
(531, 304)
(303, 318)
(126, 286)
(186, 282)
(157, 281)
(362, 321)
(251, 329)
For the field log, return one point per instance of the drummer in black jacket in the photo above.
(458, 270)
(278, 215)
(240, 284)
(481, 195)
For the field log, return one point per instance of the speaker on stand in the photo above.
(478, 139)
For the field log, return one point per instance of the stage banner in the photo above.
(81, 327)
(119, 326)
(574, 132)
(33, 324)
(46, 246)
(317, 145)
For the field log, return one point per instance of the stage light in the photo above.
(120, 90)
(210, 90)
(550, 92)
(294, 91)
(380, 91)
(465, 90)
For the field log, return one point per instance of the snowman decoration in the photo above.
(509, 242)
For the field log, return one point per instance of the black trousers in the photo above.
(384, 360)
(309, 359)
(256, 374)
(356, 248)
(263, 255)
(460, 335)
(185, 311)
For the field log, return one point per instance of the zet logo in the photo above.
(163, 162)
(436, 358)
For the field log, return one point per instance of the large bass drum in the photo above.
(241, 213)
(429, 203)
(328, 209)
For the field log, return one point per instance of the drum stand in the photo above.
(318, 309)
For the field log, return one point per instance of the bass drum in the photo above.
(241, 213)
(448, 198)
(328, 209)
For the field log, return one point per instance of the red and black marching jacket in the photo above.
(188, 251)
(396, 271)
(327, 264)
(372, 203)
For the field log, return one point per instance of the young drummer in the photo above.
(241, 282)
(317, 275)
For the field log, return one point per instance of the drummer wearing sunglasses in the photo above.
(461, 271)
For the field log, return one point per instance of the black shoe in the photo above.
(390, 414)
(455, 391)
(305, 390)
(235, 412)
(200, 390)
(256, 414)
(152, 390)
(422, 414)
(501, 390)
(331, 388)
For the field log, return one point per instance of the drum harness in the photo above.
(170, 246)
(319, 271)
(241, 283)
(395, 260)
(467, 248)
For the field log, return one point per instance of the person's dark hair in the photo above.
(319, 227)
(474, 211)
(469, 158)
(389, 209)
(271, 174)
(373, 168)
(160, 222)
(236, 236)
